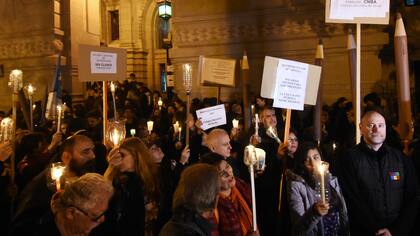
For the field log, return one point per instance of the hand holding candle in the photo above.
(57, 170)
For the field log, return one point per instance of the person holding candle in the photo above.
(309, 214)
(379, 183)
(77, 154)
(134, 209)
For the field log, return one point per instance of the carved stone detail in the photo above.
(26, 48)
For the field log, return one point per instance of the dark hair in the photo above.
(198, 188)
(94, 114)
(372, 97)
(211, 158)
(300, 158)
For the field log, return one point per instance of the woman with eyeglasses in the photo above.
(233, 214)
(308, 213)
(133, 172)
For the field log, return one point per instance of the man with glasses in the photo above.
(76, 210)
(378, 182)
(78, 157)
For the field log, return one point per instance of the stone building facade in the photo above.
(288, 29)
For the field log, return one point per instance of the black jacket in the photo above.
(186, 223)
(126, 212)
(380, 188)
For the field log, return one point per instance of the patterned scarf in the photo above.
(233, 214)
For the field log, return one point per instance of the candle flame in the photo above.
(57, 172)
(31, 89)
(113, 87)
(115, 137)
(235, 123)
(150, 126)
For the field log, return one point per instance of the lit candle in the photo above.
(257, 120)
(334, 146)
(321, 170)
(187, 76)
(113, 87)
(150, 126)
(59, 109)
(57, 171)
(31, 90)
(235, 123)
(176, 126)
(179, 133)
(160, 103)
(115, 137)
(6, 129)
(252, 110)
(273, 134)
(133, 132)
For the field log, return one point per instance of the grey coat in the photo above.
(301, 198)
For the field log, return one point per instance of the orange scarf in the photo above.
(244, 212)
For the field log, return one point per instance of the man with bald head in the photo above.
(78, 157)
(379, 183)
(218, 141)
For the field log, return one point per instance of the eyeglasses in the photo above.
(93, 219)
(293, 139)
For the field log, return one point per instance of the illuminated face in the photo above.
(292, 143)
(222, 146)
(157, 154)
(313, 159)
(373, 128)
(227, 180)
(82, 158)
(268, 118)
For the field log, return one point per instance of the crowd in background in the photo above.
(152, 173)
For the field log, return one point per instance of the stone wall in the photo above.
(27, 31)
(286, 29)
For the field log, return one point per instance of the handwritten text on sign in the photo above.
(103, 63)
(212, 116)
(290, 85)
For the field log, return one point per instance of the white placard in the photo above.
(270, 80)
(351, 9)
(212, 116)
(103, 63)
(290, 87)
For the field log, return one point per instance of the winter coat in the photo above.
(301, 199)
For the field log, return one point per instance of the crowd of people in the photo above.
(154, 183)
